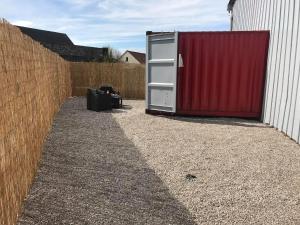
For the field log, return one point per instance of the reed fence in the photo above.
(129, 79)
(33, 84)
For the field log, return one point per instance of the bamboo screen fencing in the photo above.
(129, 79)
(33, 84)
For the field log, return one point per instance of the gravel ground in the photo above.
(91, 173)
(127, 167)
(247, 172)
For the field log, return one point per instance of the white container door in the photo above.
(161, 72)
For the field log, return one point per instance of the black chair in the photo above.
(98, 101)
(117, 100)
(108, 89)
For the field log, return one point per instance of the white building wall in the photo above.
(131, 59)
(282, 94)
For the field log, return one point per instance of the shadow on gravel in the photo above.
(220, 121)
(91, 173)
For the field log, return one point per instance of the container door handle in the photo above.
(180, 61)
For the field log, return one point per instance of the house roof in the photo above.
(76, 53)
(46, 37)
(85, 53)
(231, 4)
(141, 57)
(61, 44)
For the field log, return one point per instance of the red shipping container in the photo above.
(223, 73)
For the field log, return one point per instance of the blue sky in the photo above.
(120, 24)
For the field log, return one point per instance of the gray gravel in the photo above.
(247, 172)
(126, 167)
(91, 173)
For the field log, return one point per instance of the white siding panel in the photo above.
(292, 119)
(282, 62)
(290, 64)
(279, 64)
(258, 17)
(252, 10)
(274, 61)
(271, 65)
(265, 5)
(282, 91)
(242, 16)
(296, 127)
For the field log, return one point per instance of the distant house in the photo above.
(133, 57)
(61, 44)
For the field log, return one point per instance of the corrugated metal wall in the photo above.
(282, 94)
(223, 73)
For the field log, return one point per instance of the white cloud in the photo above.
(119, 23)
(24, 23)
